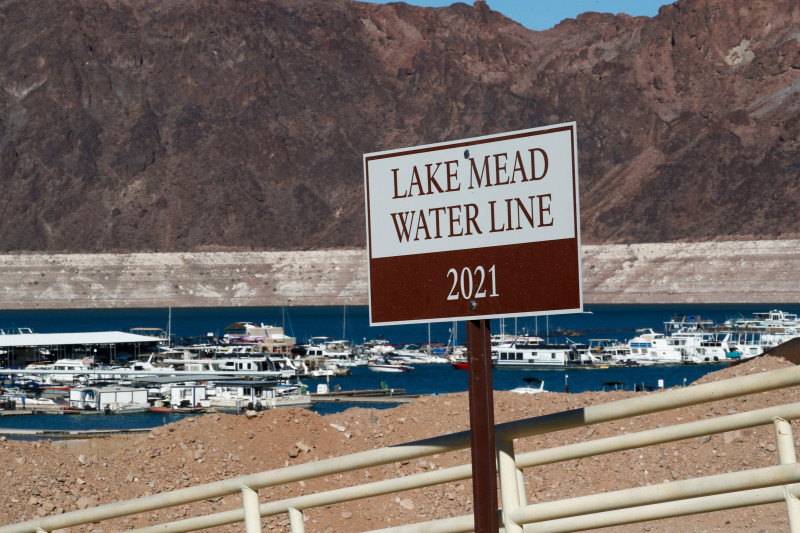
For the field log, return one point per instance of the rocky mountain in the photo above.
(141, 125)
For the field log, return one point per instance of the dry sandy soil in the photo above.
(47, 477)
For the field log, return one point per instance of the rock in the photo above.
(729, 437)
(406, 504)
(85, 502)
(305, 448)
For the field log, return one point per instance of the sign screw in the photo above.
(466, 154)
(473, 304)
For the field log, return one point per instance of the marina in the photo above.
(255, 366)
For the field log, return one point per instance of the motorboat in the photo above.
(340, 352)
(318, 367)
(126, 408)
(651, 348)
(62, 371)
(250, 333)
(12, 400)
(609, 351)
(387, 366)
(529, 388)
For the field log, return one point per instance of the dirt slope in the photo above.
(41, 478)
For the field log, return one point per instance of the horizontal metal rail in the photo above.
(769, 476)
(640, 405)
(704, 504)
(640, 439)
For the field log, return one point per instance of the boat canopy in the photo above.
(67, 339)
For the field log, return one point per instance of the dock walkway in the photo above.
(336, 398)
(390, 396)
(68, 434)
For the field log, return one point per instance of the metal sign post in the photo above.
(481, 423)
(472, 230)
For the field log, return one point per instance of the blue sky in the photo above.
(544, 14)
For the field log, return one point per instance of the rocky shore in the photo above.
(42, 478)
(708, 272)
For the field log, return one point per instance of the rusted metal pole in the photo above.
(481, 419)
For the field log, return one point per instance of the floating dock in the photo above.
(68, 434)
(390, 396)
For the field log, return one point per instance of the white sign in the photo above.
(488, 191)
(476, 228)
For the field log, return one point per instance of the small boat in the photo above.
(12, 400)
(460, 365)
(529, 388)
(389, 367)
(126, 408)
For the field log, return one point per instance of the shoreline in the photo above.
(708, 272)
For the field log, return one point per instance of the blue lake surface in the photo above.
(188, 324)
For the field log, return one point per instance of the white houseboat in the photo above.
(534, 352)
(256, 395)
(114, 400)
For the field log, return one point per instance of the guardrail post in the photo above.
(787, 455)
(523, 498)
(296, 522)
(509, 483)
(252, 516)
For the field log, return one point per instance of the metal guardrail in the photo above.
(725, 491)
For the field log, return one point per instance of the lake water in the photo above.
(188, 324)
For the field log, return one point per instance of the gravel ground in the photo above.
(49, 477)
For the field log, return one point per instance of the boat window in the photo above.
(519, 356)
